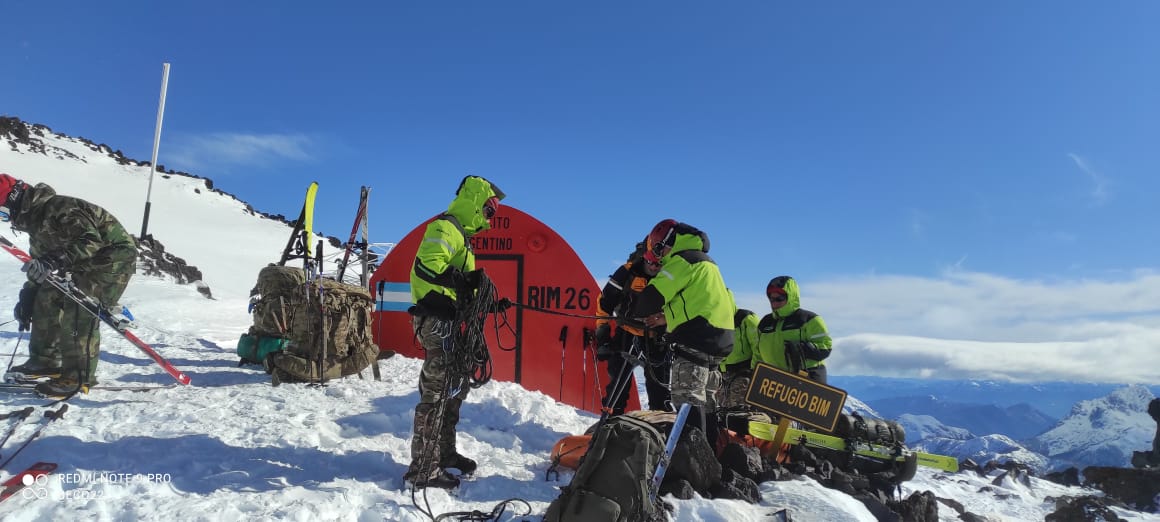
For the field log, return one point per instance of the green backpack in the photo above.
(254, 349)
(613, 480)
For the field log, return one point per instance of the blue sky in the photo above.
(931, 145)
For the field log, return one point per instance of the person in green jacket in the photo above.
(690, 298)
(792, 338)
(73, 236)
(737, 368)
(443, 279)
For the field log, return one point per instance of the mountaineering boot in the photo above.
(437, 479)
(60, 388)
(465, 465)
(32, 371)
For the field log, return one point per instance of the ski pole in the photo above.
(19, 415)
(51, 416)
(563, 353)
(12, 357)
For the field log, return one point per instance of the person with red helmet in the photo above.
(65, 234)
(616, 301)
(690, 298)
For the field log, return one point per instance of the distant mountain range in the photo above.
(1097, 432)
(1020, 421)
(1052, 398)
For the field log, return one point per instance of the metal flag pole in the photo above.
(156, 142)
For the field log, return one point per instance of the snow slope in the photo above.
(232, 447)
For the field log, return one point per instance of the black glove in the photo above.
(604, 352)
(500, 306)
(738, 368)
(38, 269)
(808, 350)
(467, 282)
(23, 310)
(1154, 410)
(603, 337)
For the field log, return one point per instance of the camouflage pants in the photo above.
(694, 384)
(64, 332)
(731, 394)
(437, 413)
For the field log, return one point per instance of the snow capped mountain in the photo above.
(1101, 431)
(188, 216)
(1000, 448)
(1018, 422)
(919, 427)
(232, 447)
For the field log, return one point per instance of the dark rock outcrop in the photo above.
(1134, 487)
(153, 260)
(1081, 509)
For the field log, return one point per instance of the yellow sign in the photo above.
(787, 395)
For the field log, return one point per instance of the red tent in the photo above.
(529, 264)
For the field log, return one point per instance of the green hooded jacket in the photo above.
(76, 235)
(692, 294)
(744, 341)
(444, 254)
(792, 323)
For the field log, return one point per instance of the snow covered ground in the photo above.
(232, 447)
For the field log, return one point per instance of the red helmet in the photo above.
(10, 191)
(662, 235)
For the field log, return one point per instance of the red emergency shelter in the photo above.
(532, 265)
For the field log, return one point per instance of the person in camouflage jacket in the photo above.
(66, 235)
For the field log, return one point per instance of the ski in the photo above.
(93, 307)
(670, 447)
(351, 245)
(25, 478)
(301, 236)
(31, 386)
(765, 431)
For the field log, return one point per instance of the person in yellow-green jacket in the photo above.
(444, 278)
(738, 366)
(689, 296)
(790, 337)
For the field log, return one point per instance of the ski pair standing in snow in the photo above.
(70, 235)
(690, 298)
(444, 281)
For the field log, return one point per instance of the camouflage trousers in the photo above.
(63, 332)
(731, 394)
(695, 384)
(437, 414)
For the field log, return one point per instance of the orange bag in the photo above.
(568, 451)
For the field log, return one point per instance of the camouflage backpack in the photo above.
(613, 480)
(288, 308)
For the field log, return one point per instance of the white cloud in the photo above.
(971, 325)
(191, 152)
(1100, 194)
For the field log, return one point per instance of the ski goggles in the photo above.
(490, 207)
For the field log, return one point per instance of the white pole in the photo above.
(156, 142)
